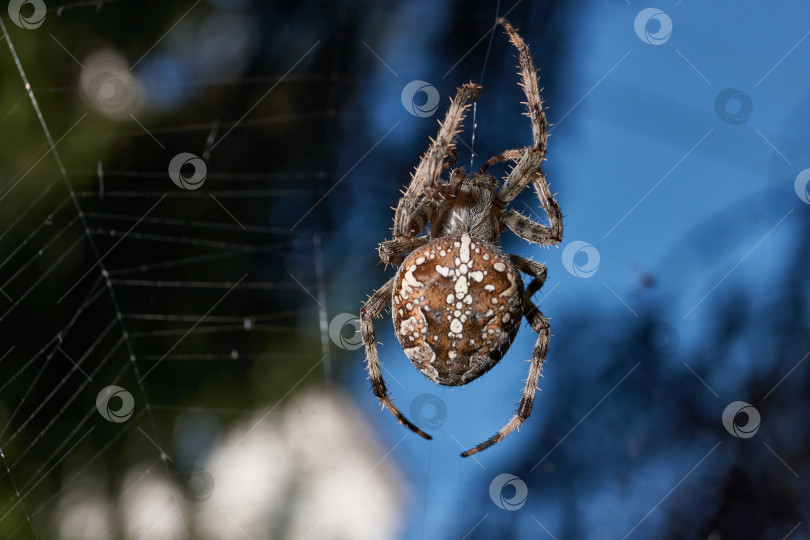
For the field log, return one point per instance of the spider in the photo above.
(457, 299)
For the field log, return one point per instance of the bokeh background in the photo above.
(179, 360)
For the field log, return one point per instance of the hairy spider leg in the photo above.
(426, 179)
(371, 309)
(528, 167)
(539, 324)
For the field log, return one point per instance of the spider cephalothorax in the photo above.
(467, 206)
(457, 299)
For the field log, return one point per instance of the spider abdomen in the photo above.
(457, 306)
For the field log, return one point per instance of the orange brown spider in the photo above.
(457, 299)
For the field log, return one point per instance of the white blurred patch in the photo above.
(309, 469)
(311, 472)
(149, 506)
(83, 511)
(107, 85)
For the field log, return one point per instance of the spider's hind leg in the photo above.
(539, 324)
(372, 308)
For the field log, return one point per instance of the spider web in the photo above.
(119, 278)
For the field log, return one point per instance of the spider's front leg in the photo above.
(371, 309)
(531, 230)
(528, 76)
(391, 251)
(506, 155)
(539, 324)
(426, 178)
(528, 167)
